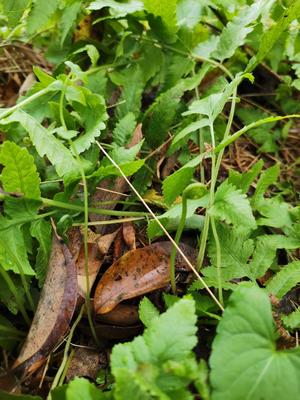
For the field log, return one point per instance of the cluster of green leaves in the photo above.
(147, 67)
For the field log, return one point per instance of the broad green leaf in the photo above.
(128, 168)
(284, 280)
(147, 312)
(19, 175)
(41, 230)
(124, 129)
(232, 206)
(268, 177)
(246, 344)
(170, 219)
(271, 36)
(13, 10)
(292, 320)
(68, 18)
(92, 52)
(40, 14)
(13, 254)
(174, 184)
(79, 389)
(166, 10)
(236, 249)
(46, 144)
(275, 212)
(265, 252)
(236, 31)
(122, 155)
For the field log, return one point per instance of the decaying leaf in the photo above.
(129, 235)
(137, 272)
(121, 315)
(54, 312)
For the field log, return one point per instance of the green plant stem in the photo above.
(219, 259)
(14, 291)
(200, 139)
(66, 351)
(177, 239)
(85, 243)
(110, 222)
(64, 373)
(100, 211)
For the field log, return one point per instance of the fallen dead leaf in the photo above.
(121, 315)
(54, 312)
(129, 235)
(85, 362)
(138, 272)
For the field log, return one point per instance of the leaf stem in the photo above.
(219, 259)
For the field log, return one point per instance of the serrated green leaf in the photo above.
(40, 14)
(143, 367)
(124, 129)
(117, 9)
(92, 114)
(128, 168)
(246, 344)
(164, 9)
(46, 144)
(275, 212)
(232, 206)
(41, 230)
(19, 175)
(188, 12)
(284, 280)
(271, 36)
(236, 31)
(236, 249)
(174, 184)
(68, 18)
(13, 10)
(244, 181)
(147, 312)
(292, 320)
(267, 178)
(265, 252)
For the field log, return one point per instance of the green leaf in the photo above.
(92, 114)
(265, 252)
(7, 298)
(147, 312)
(188, 12)
(39, 16)
(284, 280)
(236, 31)
(244, 181)
(14, 10)
(178, 139)
(271, 36)
(232, 206)
(170, 219)
(116, 8)
(19, 175)
(148, 367)
(13, 254)
(78, 389)
(46, 144)
(246, 344)
(175, 183)
(68, 18)
(292, 320)
(41, 230)
(276, 213)
(166, 10)
(9, 335)
(124, 129)
(236, 249)
(267, 178)
(128, 168)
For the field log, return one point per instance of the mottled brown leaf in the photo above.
(54, 312)
(129, 235)
(137, 272)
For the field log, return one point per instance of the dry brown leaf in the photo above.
(85, 362)
(54, 312)
(137, 272)
(121, 315)
(129, 235)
